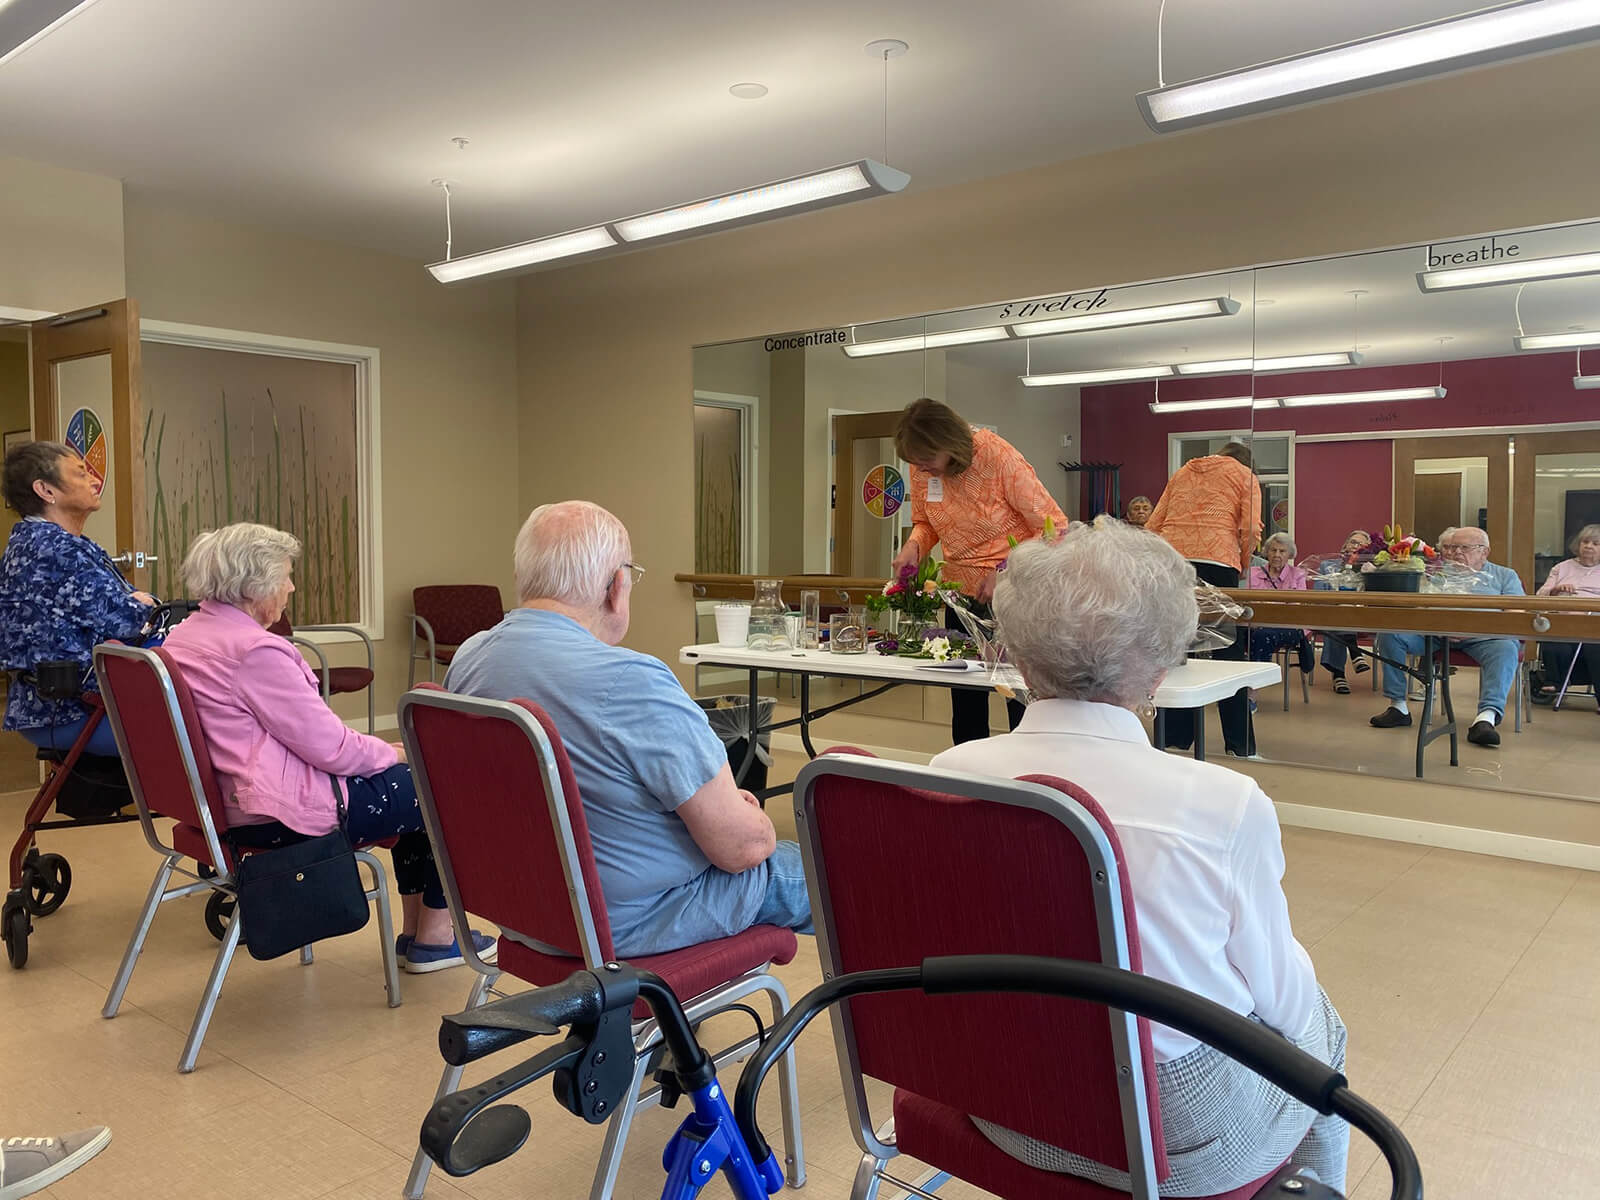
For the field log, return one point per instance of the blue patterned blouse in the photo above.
(60, 595)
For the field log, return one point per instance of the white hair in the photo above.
(1589, 533)
(239, 564)
(1099, 614)
(568, 552)
(1282, 539)
(1473, 529)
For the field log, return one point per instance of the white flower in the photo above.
(938, 647)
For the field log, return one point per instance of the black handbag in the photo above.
(301, 893)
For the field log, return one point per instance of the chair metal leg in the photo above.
(1284, 688)
(208, 998)
(866, 1184)
(794, 1155)
(141, 930)
(605, 1176)
(449, 1080)
(306, 956)
(1567, 681)
(379, 895)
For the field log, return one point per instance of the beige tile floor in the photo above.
(1469, 985)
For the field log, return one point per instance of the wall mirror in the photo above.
(1373, 389)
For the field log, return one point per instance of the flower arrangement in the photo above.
(937, 645)
(914, 593)
(1399, 551)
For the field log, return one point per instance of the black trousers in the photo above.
(969, 707)
(1557, 657)
(1237, 732)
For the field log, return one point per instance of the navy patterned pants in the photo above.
(380, 806)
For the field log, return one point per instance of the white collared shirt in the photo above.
(1203, 851)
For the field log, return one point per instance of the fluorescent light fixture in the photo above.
(1155, 314)
(1164, 406)
(1260, 366)
(1452, 44)
(1584, 382)
(927, 341)
(524, 254)
(1557, 341)
(1510, 270)
(1115, 375)
(1377, 397)
(24, 22)
(803, 193)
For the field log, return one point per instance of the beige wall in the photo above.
(60, 237)
(14, 407)
(448, 386)
(1031, 419)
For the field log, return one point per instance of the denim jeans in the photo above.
(1498, 658)
(787, 902)
(60, 737)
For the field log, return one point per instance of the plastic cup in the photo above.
(733, 623)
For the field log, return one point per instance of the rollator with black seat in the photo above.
(83, 788)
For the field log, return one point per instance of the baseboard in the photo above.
(1447, 837)
(792, 742)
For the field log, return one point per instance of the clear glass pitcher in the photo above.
(767, 630)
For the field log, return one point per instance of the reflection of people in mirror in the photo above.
(1139, 510)
(972, 493)
(1576, 576)
(1210, 512)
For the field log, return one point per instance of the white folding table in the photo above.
(1197, 683)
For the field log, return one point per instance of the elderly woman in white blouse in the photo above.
(1094, 621)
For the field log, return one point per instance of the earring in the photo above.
(1148, 708)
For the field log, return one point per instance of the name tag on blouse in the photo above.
(935, 489)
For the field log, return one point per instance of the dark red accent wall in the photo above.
(1330, 476)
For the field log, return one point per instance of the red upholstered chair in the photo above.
(444, 616)
(169, 769)
(910, 862)
(336, 681)
(512, 844)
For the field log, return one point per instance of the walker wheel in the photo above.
(219, 914)
(15, 927)
(45, 884)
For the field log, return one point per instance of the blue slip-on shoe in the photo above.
(422, 958)
(402, 943)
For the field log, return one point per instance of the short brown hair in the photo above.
(1237, 450)
(928, 428)
(25, 464)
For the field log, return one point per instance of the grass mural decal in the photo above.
(206, 466)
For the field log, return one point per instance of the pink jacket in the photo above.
(273, 740)
(1290, 578)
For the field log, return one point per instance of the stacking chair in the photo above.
(445, 615)
(336, 681)
(911, 862)
(1283, 656)
(512, 845)
(170, 772)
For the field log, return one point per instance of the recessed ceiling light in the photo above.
(748, 91)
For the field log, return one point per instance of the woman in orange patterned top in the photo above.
(972, 493)
(1210, 512)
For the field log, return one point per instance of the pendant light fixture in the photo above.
(926, 341)
(1169, 406)
(1558, 341)
(1474, 39)
(1113, 375)
(1264, 366)
(856, 180)
(1510, 270)
(25, 22)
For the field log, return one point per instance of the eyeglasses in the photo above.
(635, 571)
(1459, 548)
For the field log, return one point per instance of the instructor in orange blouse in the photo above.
(971, 493)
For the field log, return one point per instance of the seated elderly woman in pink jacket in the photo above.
(1280, 574)
(274, 742)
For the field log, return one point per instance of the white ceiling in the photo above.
(331, 118)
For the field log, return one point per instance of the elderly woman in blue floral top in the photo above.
(60, 593)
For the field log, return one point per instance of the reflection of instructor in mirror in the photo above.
(971, 491)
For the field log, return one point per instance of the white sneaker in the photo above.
(31, 1164)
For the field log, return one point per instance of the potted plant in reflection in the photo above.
(1400, 563)
(911, 600)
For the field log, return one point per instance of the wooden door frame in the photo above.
(847, 429)
(112, 329)
(1525, 481)
(1494, 447)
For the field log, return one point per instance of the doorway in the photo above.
(871, 495)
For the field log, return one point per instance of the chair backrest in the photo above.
(910, 862)
(507, 824)
(163, 749)
(456, 611)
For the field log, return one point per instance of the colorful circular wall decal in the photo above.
(1280, 513)
(87, 436)
(883, 491)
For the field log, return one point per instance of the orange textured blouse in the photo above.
(1210, 511)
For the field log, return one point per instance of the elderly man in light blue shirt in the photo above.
(1466, 560)
(684, 855)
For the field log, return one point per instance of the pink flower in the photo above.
(894, 589)
(906, 572)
